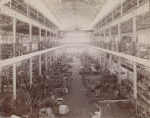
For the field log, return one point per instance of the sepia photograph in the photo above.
(74, 58)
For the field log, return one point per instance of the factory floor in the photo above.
(79, 103)
(78, 100)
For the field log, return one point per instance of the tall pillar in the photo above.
(40, 37)
(119, 39)
(110, 62)
(104, 38)
(14, 36)
(40, 64)
(0, 78)
(119, 70)
(46, 60)
(110, 38)
(14, 85)
(30, 71)
(104, 60)
(46, 39)
(134, 34)
(135, 86)
(30, 36)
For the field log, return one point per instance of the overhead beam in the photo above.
(75, 31)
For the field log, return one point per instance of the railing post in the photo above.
(14, 86)
(40, 64)
(30, 71)
(14, 35)
(135, 85)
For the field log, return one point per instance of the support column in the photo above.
(40, 64)
(40, 38)
(104, 60)
(100, 58)
(14, 36)
(110, 38)
(104, 38)
(30, 36)
(119, 38)
(46, 60)
(135, 86)
(119, 70)
(110, 62)
(0, 78)
(14, 86)
(30, 71)
(134, 34)
(119, 74)
(46, 39)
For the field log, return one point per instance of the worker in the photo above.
(108, 105)
(97, 114)
(116, 93)
(63, 109)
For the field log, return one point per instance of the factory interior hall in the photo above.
(75, 58)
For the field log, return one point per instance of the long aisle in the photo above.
(76, 100)
(79, 104)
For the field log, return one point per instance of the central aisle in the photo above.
(79, 104)
(76, 100)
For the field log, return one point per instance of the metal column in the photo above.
(30, 35)
(30, 71)
(135, 86)
(14, 85)
(40, 38)
(40, 64)
(119, 38)
(134, 34)
(110, 62)
(14, 36)
(119, 70)
(46, 39)
(46, 60)
(110, 38)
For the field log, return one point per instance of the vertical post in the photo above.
(14, 35)
(0, 78)
(119, 70)
(110, 38)
(50, 39)
(14, 85)
(46, 39)
(134, 34)
(121, 7)
(30, 71)
(40, 64)
(30, 36)
(40, 37)
(135, 85)
(138, 2)
(27, 8)
(119, 38)
(46, 61)
(100, 58)
(104, 60)
(110, 62)
(104, 38)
